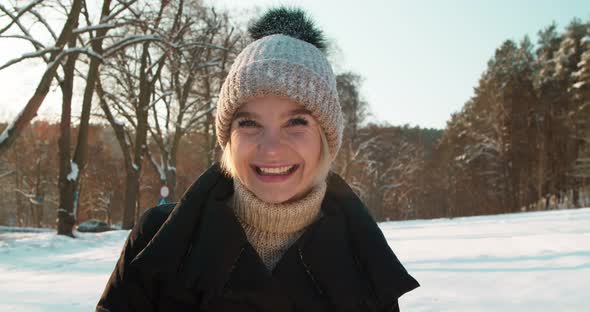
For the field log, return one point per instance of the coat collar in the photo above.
(201, 239)
(167, 249)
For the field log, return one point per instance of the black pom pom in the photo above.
(291, 22)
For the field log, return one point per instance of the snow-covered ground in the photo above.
(536, 261)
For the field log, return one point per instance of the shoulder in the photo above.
(342, 199)
(157, 214)
(148, 224)
(154, 217)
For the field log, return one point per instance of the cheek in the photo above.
(241, 149)
(308, 145)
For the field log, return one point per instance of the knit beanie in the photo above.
(285, 60)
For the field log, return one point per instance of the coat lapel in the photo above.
(217, 244)
(388, 278)
(329, 262)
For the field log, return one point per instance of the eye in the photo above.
(247, 123)
(298, 121)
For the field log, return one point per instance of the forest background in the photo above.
(150, 72)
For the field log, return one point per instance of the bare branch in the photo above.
(28, 56)
(20, 12)
(44, 22)
(126, 5)
(131, 41)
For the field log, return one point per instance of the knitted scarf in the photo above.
(272, 228)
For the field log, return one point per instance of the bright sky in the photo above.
(420, 59)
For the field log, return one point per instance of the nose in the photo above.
(270, 143)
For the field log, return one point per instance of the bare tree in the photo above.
(189, 86)
(355, 111)
(127, 89)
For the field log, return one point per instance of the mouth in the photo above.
(274, 173)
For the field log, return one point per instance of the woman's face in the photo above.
(275, 146)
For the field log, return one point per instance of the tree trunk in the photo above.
(131, 194)
(20, 215)
(133, 172)
(171, 177)
(65, 213)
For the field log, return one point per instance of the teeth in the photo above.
(280, 170)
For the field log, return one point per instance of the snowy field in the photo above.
(518, 262)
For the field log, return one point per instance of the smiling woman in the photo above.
(269, 228)
(279, 149)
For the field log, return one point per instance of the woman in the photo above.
(269, 228)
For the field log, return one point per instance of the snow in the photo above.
(92, 27)
(162, 173)
(73, 175)
(8, 130)
(5, 134)
(579, 84)
(536, 261)
(119, 122)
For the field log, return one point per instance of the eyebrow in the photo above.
(297, 111)
(244, 114)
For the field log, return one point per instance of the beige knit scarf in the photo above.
(272, 228)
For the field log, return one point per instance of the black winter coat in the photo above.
(194, 256)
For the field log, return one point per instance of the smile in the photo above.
(275, 174)
(270, 171)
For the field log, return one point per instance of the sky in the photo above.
(419, 59)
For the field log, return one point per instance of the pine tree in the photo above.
(548, 93)
(580, 91)
(566, 60)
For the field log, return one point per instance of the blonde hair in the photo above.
(324, 165)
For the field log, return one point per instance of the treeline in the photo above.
(525, 132)
(29, 176)
(519, 142)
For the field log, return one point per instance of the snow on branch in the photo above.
(63, 211)
(73, 175)
(190, 45)
(10, 128)
(131, 41)
(579, 84)
(65, 52)
(159, 167)
(25, 56)
(6, 173)
(31, 197)
(92, 28)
